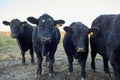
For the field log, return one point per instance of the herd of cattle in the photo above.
(45, 36)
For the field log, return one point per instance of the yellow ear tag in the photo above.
(58, 25)
(90, 34)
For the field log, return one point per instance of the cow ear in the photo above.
(93, 30)
(68, 29)
(6, 23)
(33, 20)
(23, 23)
(59, 23)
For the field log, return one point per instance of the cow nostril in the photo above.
(46, 39)
(80, 50)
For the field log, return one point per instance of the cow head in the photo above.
(16, 27)
(79, 37)
(45, 26)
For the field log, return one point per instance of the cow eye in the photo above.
(82, 31)
(81, 38)
(43, 20)
(49, 19)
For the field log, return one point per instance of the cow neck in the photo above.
(54, 32)
(43, 49)
(55, 35)
(23, 38)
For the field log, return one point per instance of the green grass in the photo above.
(6, 42)
(8, 48)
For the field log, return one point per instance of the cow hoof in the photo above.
(93, 70)
(107, 76)
(23, 63)
(32, 61)
(70, 73)
(82, 78)
(51, 74)
(37, 76)
(32, 64)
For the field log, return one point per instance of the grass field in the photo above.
(9, 48)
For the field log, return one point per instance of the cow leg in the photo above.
(115, 62)
(32, 56)
(39, 69)
(116, 68)
(106, 67)
(50, 66)
(70, 61)
(47, 58)
(51, 61)
(82, 62)
(23, 57)
(93, 55)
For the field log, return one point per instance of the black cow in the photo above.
(75, 44)
(106, 41)
(45, 39)
(22, 32)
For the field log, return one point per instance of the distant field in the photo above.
(5, 33)
(8, 33)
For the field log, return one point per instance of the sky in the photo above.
(84, 11)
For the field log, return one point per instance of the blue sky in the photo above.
(84, 11)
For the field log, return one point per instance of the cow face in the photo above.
(78, 35)
(45, 27)
(16, 27)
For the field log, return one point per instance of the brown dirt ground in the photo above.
(11, 68)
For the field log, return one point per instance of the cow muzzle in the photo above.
(46, 40)
(80, 50)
